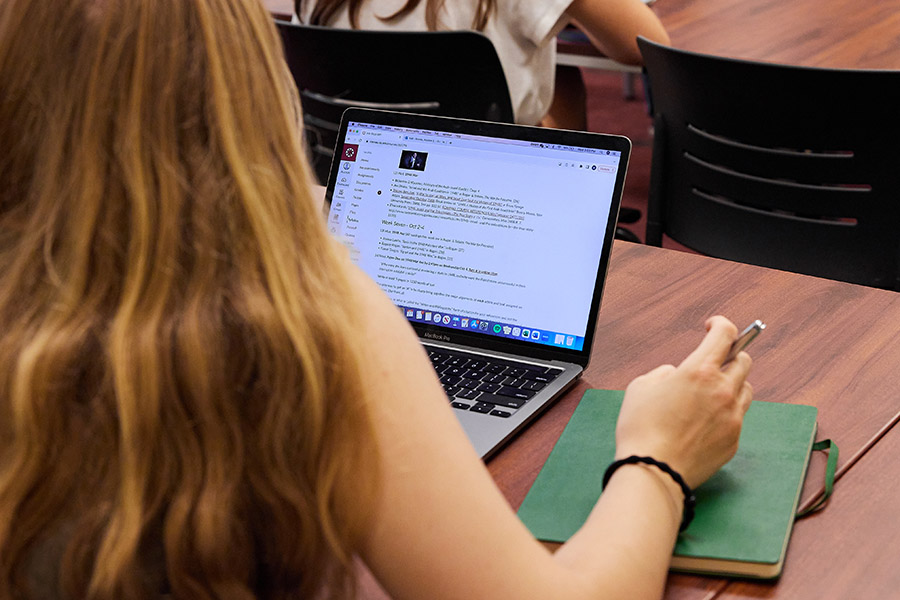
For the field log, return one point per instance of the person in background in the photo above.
(202, 397)
(524, 35)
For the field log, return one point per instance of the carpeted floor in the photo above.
(609, 112)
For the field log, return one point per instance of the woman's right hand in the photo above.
(689, 416)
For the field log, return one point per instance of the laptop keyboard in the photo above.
(488, 385)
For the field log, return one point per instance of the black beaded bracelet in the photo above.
(690, 501)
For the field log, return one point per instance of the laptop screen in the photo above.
(493, 234)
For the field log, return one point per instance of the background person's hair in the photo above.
(324, 10)
(179, 378)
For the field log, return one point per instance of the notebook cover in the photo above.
(745, 512)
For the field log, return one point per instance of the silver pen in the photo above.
(743, 340)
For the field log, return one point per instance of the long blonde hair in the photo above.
(179, 379)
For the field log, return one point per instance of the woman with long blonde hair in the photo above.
(179, 391)
(182, 408)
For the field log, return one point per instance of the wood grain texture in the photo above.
(828, 344)
(817, 33)
(850, 549)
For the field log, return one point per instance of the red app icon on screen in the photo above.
(350, 151)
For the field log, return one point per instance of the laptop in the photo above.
(493, 240)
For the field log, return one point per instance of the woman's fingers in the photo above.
(714, 347)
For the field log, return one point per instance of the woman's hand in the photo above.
(689, 416)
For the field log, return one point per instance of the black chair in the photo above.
(793, 168)
(448, 73)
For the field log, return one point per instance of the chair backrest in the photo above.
(793, 168)
(449, 73)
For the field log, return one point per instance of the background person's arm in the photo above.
(613, 26)
(442, 529)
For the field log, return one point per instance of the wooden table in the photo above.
(828, 344)
(863, 34)
(815, 33)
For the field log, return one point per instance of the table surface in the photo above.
(828, 344)
(812, 33)
(818, 33)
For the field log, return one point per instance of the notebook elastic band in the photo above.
(830, 470)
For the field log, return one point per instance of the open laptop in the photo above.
(493, 240)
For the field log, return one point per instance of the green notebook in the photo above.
(744, 513)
